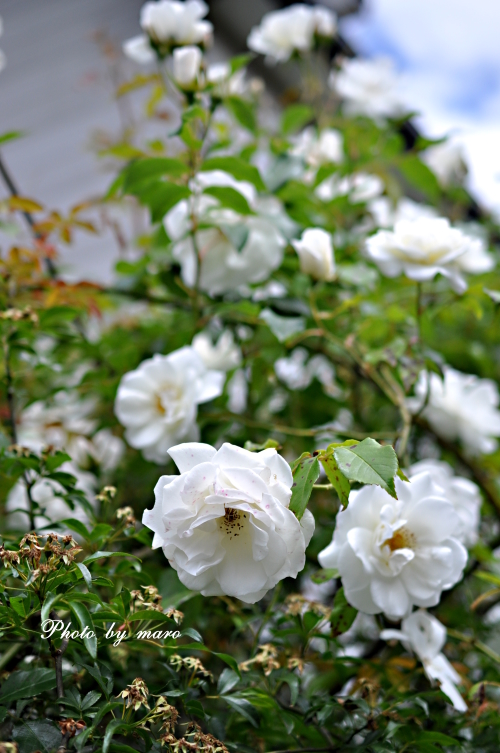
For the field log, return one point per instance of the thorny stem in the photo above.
(57, 655)
(11, 403)
(11, 186)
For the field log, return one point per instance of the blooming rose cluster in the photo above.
(282, 33)
(169, 24)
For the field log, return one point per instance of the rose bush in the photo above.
(304, 321)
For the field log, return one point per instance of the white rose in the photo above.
(58, 422)
(447, 161)
(106, 450)
(187, 66)
(49, 494)
(176, 23)
(359, 187)
(283, 32)
(139, 50)
(461, 406)
(158, 402)
(223, 356)
(425, 247)
(463, 494)
(368, 87)
(392, 554)
(297, 372)
(224, 523)
(387, 215)
(426, 636)
(224, 82)
(318, 149)
(315, 253)
(231, 249)
(167, 24)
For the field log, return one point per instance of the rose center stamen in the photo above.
(232, 522)
(401, 539)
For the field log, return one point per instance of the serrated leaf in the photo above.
(229, 198)
(236, 167)
(243, 112)
(296, 117)
(342, 615)
(369, 463)
(305, 474)
(37, 736)
(26, 684)
(337, 479)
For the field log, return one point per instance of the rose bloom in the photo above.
(426, 636)
(158, 402)
(368, 87)
(315, 252)
(463, 494)
(49, 495)
(447, 161)
(224, 355)
(168, 24)
(425, 247)
(224, 523)
(230, 249)
(462, 407)
(392, 554)
(318, 148)
(187, 66)
(293, 29)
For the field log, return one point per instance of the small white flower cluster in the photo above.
(229, 249)
(282, 33)
(169, 25)
(66, 423)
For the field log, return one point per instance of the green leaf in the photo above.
(194, 634)
(419, 176)
(342, 615)
(100, 555)
(26, 684)
(75, 525)
(37, 736)
(49, 601)
(161, 197)
(437, 737)
(111, 729)
(227, 680)
(337, 479)
(152, 168)
(230, 198)
(323, 576)
(10, 136)
(369, 463)
(283, 327)
(229, 660)
(295, 117)
(305, 474)
(84, 620)
(86, 574)
(236, 167)
(243, 707)
(243, 112)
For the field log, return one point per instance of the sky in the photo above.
(448, 56)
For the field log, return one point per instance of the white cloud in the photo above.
(449, 58)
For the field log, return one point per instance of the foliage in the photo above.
(146, 662)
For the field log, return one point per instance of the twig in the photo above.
(57, 655)
(11, 186)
